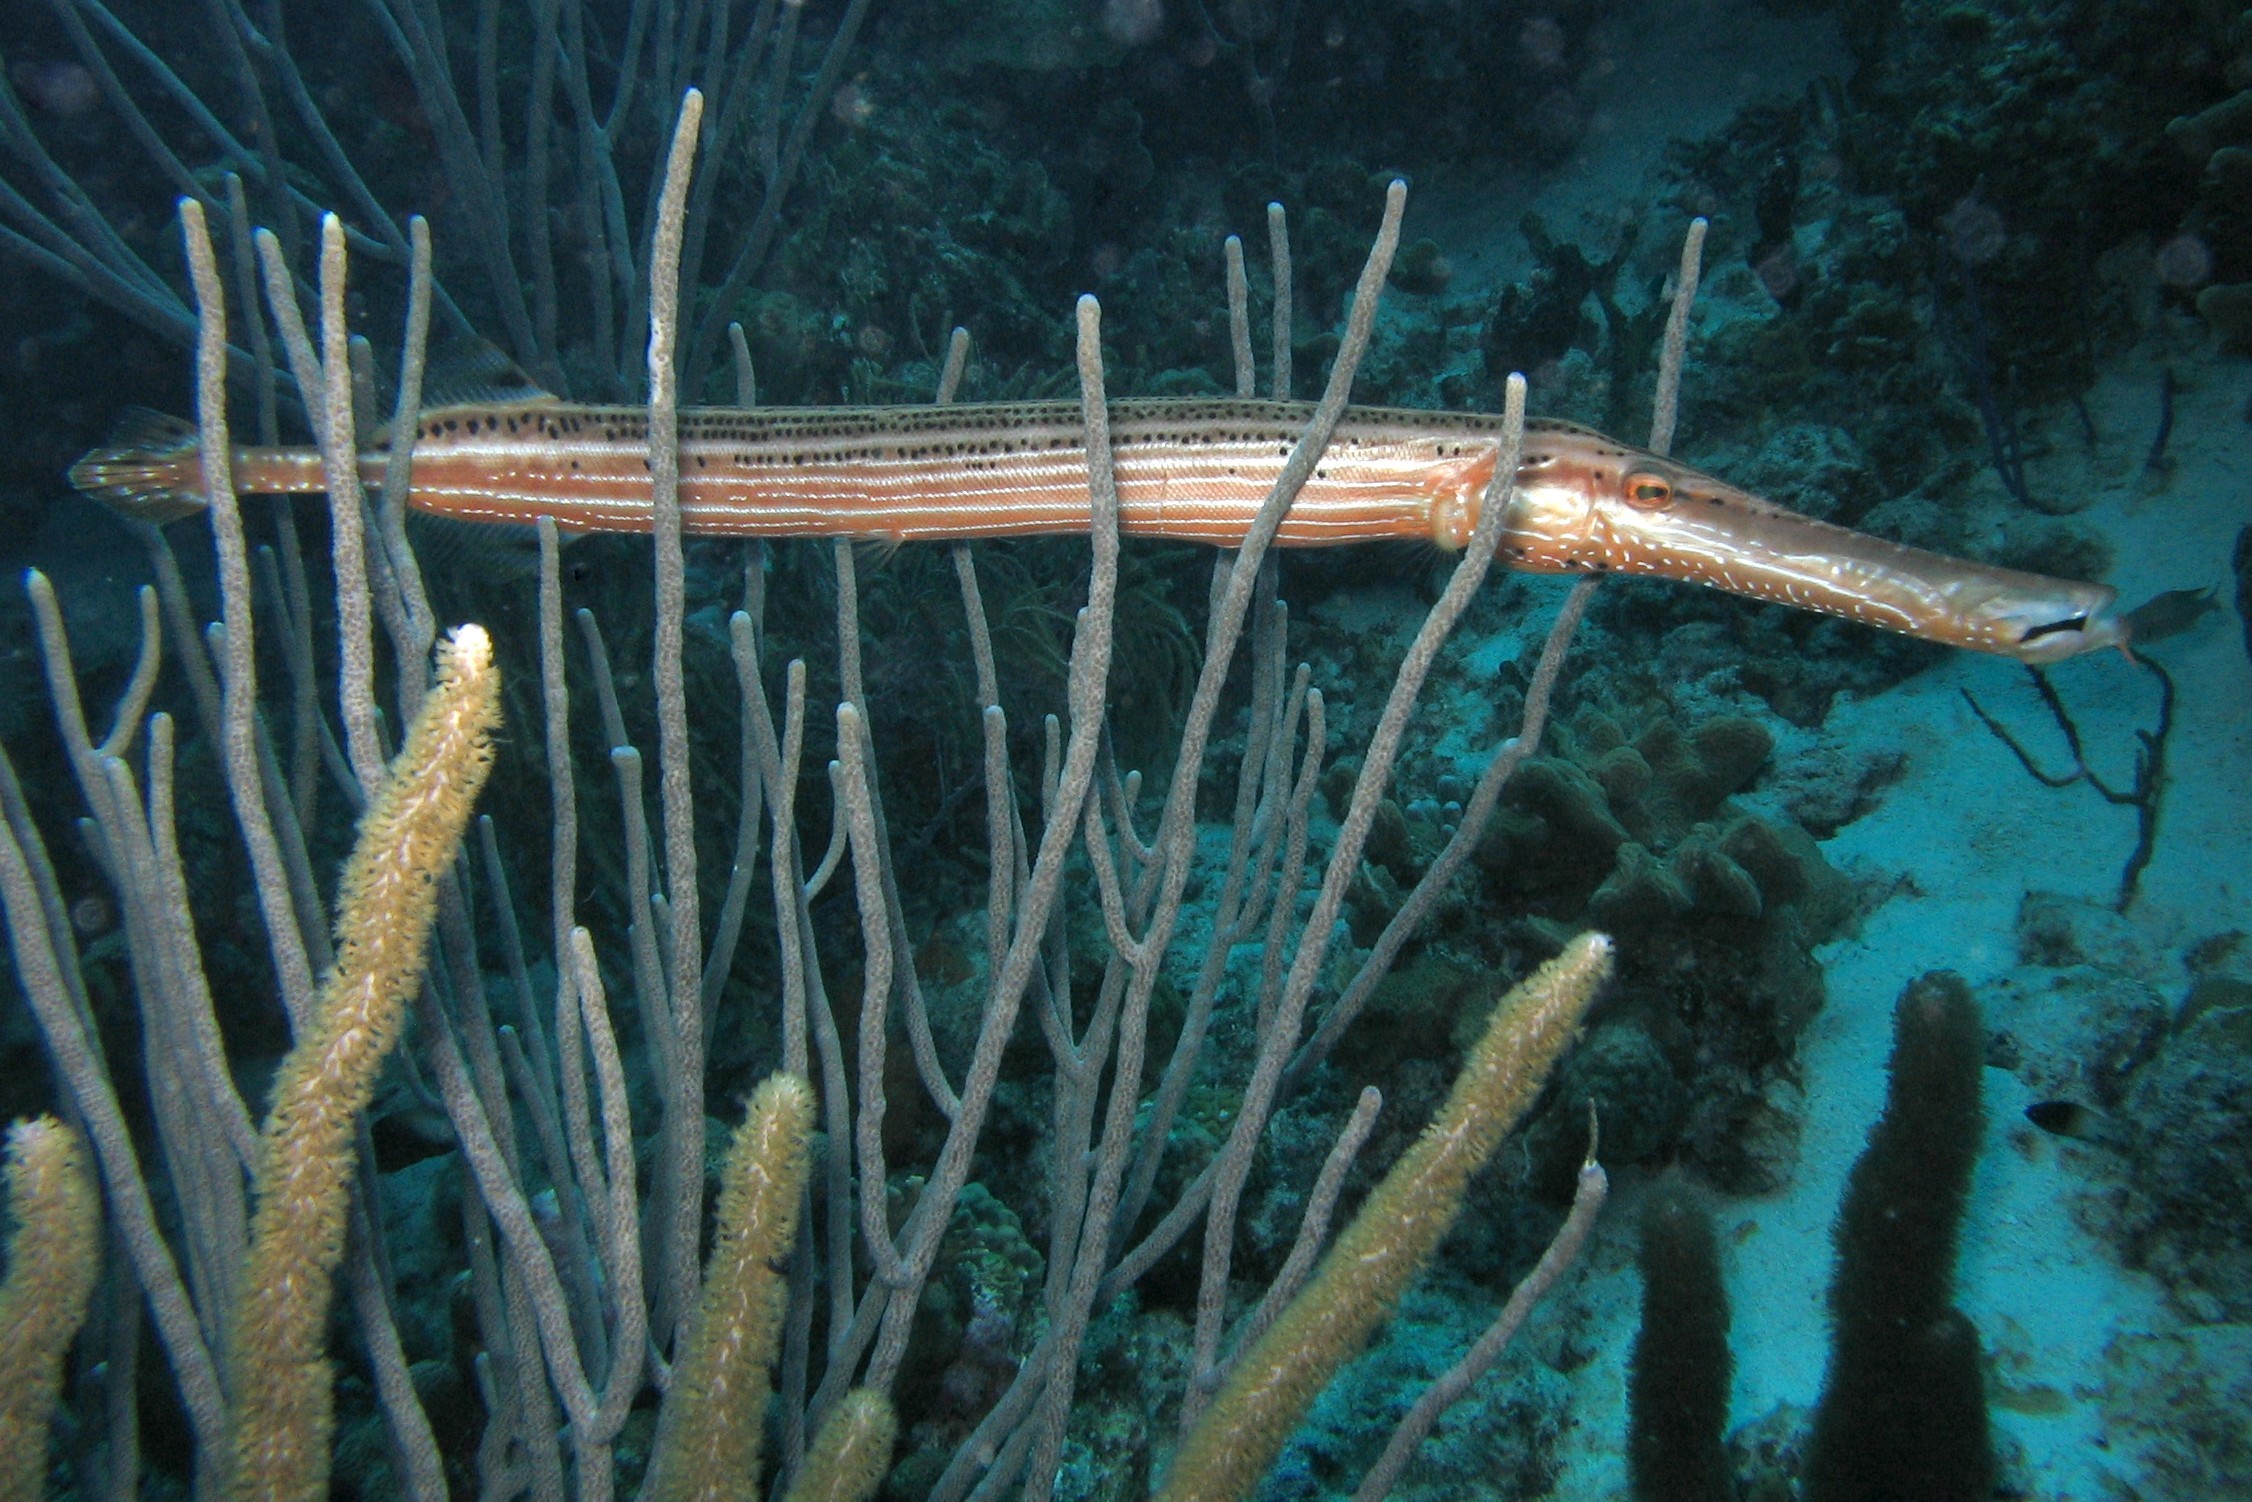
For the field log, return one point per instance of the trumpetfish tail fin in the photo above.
(147, 469)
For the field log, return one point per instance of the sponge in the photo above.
(1678, 1389)
(1903, 1412)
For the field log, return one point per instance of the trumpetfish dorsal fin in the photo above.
(479, 373)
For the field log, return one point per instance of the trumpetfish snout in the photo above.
(1585, 502)
(1190, 469)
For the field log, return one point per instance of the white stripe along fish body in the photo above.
(1189, 469)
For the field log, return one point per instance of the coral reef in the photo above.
(2207, 258)
(715, 1418)
(1717, 912)
(2094, 987)
(2052, 121)
(2180, 1398)
(2137, 1062)
(2187, 1209)
(980, 1316)
(1502, 1439)
(987, 162)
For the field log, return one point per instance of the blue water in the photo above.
(1978, 279)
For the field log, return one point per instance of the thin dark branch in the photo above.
(2143, 795)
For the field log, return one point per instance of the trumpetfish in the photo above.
(1189, 469)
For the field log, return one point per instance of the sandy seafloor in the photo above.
(2073, 1339)
(2088, 1360)
(1963, 837)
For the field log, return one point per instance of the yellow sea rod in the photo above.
(278, 1370)
(851, 1453)
(708, 1437)
(54, 1256)
(1272, 1385)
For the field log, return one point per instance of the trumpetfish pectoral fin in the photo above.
(1459, 490)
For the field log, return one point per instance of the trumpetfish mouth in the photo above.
(1593, 504)
(1188, 469)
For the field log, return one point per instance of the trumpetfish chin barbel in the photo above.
(1188, 469)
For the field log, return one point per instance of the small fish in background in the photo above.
(2175, 611)
(2077, 1121)
(2065, 1118)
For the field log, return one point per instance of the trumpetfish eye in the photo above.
(1648, 492)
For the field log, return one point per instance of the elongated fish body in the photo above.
(1192, 470)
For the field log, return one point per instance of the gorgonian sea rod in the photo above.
(1193, 470)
